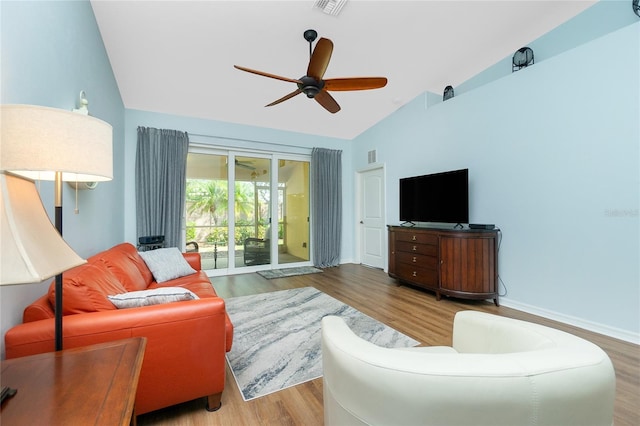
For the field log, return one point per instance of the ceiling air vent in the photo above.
(330, 7)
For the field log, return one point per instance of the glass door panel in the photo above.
(293, 211)
(252, 207)
(207, 196)
(229, 203)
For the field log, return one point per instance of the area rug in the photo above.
(277, 337)
(289, 272)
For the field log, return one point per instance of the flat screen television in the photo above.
(439, 197)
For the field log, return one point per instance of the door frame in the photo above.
(359, 209)
(274, 157)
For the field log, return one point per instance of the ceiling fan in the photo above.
(245, 164)
(312, 83)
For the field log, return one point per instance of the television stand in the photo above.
(460, 263)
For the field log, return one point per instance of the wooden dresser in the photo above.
(459, 263)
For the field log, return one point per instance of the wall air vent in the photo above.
(522, 59)
(330, 7)
(371, 156)
(448, 93)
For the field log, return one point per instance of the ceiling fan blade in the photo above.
(326, 100)
(320, 58)
(244, 165)
(266, 74)
(284, 98)
(354, 83)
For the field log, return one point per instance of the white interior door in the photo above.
(372, 218)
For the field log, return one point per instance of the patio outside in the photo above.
(207, 214)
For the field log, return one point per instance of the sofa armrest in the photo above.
(194, 260)
(185, 343)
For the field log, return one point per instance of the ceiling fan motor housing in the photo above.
(310, 86)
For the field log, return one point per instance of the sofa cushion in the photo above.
(134, 256)
(198, 283)
(121, 267)
(167, 264)
(156, 296)
(121, 263)
(85, 289)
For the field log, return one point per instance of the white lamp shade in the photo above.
(38, 141)
(32, 250)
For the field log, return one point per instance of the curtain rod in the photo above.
(249, 140)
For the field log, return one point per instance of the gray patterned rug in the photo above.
(289, 272)
(276, 338)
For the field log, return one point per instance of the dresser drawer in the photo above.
(455, 262)
(407, 247)
(418, 260)
(417, 275)
(417, 237)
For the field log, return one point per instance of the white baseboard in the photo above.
(614, 332)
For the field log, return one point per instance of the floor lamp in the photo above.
(32, 249)
(41, 143)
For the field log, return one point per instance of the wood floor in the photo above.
(409, 310)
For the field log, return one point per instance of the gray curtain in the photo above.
(326, 193)
(161, 165)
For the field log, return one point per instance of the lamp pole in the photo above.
(58, 284)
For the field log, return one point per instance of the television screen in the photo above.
(439, 197)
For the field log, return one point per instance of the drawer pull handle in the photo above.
(414, 248)
(415, 274)
(413, 238)
(414, 259)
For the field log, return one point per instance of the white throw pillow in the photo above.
(155, 296)
(167, 264)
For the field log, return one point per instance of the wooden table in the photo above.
(90, 385)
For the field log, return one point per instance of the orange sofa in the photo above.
(186, 340)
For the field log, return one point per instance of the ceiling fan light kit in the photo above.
(313, 85)
(635, 4)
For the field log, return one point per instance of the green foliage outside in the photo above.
(191, 232)
(209, 199)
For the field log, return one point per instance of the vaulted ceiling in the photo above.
(177, 57)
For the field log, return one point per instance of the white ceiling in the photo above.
(177, 57)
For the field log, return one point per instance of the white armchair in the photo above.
(500, 371)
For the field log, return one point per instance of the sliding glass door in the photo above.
(207, 209)
(293, 211)
(230, 204)
(253, 211)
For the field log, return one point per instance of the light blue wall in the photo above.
(552, 150)
(602, 18)
(216, 133)
(553, 155)
(50, 52)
